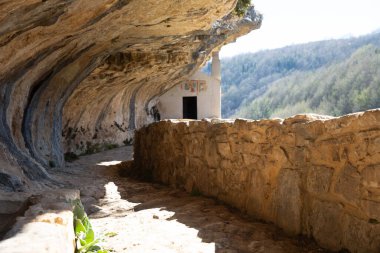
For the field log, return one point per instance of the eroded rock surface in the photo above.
(83, 73)
(45, 224)
(312, 175)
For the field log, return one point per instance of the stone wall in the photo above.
(309, 174)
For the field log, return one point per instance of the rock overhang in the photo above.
(84, 73)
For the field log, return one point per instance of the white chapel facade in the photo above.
(197, 98)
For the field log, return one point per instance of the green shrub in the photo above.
(241, 7)
(109, 146)
(92, 148)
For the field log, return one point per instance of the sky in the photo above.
(288, 22)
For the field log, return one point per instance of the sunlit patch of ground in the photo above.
(109, 163)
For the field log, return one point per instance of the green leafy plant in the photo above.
(241, 7)
(86, 242)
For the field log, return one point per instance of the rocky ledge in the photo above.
(45, 222)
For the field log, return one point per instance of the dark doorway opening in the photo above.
(190, 108)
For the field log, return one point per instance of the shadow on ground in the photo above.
(148, 217)
(216, 222)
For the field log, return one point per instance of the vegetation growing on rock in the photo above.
(86, 242)
(241, 7)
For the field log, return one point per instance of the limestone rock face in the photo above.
(312, 175)
(45, 223)
(79, 73)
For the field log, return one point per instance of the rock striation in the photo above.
(78, 73)
(313, 175)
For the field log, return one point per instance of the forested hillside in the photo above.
(314, 77)
(341, 88)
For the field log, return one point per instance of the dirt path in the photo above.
(143, 217)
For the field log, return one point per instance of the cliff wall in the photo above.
(309, 174)
(80, 73)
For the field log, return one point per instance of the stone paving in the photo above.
(134, 216)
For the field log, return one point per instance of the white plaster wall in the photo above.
(208, 101)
